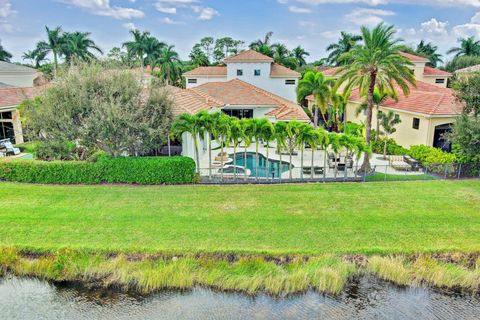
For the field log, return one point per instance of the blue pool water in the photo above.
(275, 167)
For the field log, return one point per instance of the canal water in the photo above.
(365, 298)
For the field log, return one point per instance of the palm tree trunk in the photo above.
(235, 161)
(55, 64)
(197, 156)
(141, 65)
(324, 163)
(315, 116)
(221, 159)
(385, 148)
(245, 162)
(301, 162)
(366, 167)
(290, 164)
(279, 165)
(267, 167)
(313, 154)
(377, 133)
(209, 157)
(256, 159)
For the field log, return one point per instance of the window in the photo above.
(257, 72)
(290, 82)
(239, 113)
(439, 80)
(239, 72)
(416, 123)
(192, 80)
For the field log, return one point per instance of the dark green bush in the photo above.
(174, 170)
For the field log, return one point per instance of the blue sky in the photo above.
(311, 23)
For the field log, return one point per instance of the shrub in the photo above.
(429, 155)
(174, 170)
(392, 147)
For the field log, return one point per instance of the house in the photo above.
(251, 67)
(426, 113)
(465, 73)
(17, 83)
(251, 85)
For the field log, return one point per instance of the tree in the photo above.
(153, 50)
(246, 126)
(117, 56)
(430, 51)
(462, 62)
(280, 137)
(305, 133)
(256, 130)
(207, 45)
(468, 47)
(169, 64)
(376, 63)
(337, 109)
(346, 43)
(267, 133)
(379, 97)
(223, 131)
(318, 85)
(198, 58)
(225, 47)
(283, 56)
(138, 46)
(235, 138)
(53, 44)
(262, 44)
(293, 129)
(78, 46)
(300, 54)
(388, 121)
(4, 54)
(192, 124)
(209, 122)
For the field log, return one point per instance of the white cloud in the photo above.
(103, 8)
(129, 26)
(295, 9)
(169, 10)
(456, 3)
(205, 13)
(367, 17)
(6, 12)
(469, 29)
(434, 27)
(168, 20)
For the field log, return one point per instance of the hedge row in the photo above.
(147, 171)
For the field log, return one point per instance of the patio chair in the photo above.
(307, 170)
(398, 163)
(318, 170)
(10, 149)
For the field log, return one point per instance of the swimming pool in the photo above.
(275, 167)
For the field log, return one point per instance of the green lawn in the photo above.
(422, 216)
(399, 177)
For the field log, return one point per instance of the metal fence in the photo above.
(453, 171)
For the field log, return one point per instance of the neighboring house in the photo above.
(251, 67)
(467, 72)
(17, 83)
(426, 113)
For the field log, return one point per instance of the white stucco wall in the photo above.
(18, 79)
(274, 85)
(432, 79)
(202, 80)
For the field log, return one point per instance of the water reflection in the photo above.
(366, 298)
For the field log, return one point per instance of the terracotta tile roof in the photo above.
(207, 71)
(249, 56)
(278, 70)
(425, 98)
(429, 71)
(331, 71)
(14, 96)
(413, 58)
(234, 92)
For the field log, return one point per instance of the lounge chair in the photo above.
(10, 149)
(398, 163)
(307, 170)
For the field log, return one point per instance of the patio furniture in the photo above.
(318, 170)
(341, 166)
(415, 164)
(307, 170)
(8, 146)
(221, 156)
(398, 163)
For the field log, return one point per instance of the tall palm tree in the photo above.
(468, 47)
(224, 123)
(315, 139)
(280, 137)
(318, 85)
(282, 55)
(376, 63)
(169, 64)
(53, 44)
(335, 144)
(267, 135)
(4, 54)
(78, 45)
(346, 43)
(29, 55)
(39, 54)
(429, 50)
(300, 55)
(379, 97)
(138, 46)
(292, 129)
(389, 121)
(153, 50)
(192, 124)
(265, 42)
(337, 110)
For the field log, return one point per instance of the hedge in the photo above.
(146, 171)
(431, 156)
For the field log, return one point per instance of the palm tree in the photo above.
(335, 144)
(246, 126)
(293, 130)
(323, 142)
(318, 85)
(282, 55)
(53, 44)
(379, 97)
(192, 124)
(38, 55)
(153, 50)
(169, 64)
(265, 42)
(267, 135)
(339, 102)
(345, 44)
(376, 63)
(209, 123)
(468, 47)
(235, 137)
(429, 50)
(29, 55)
(138, 46)
(223, 131)
(389, 121)
(4, 54)
(280, 137)
(257, 125)
(300, 54)
(304, 135)
(78, 45)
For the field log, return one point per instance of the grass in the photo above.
(313, 219)
(398, 177)
(276, 239)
